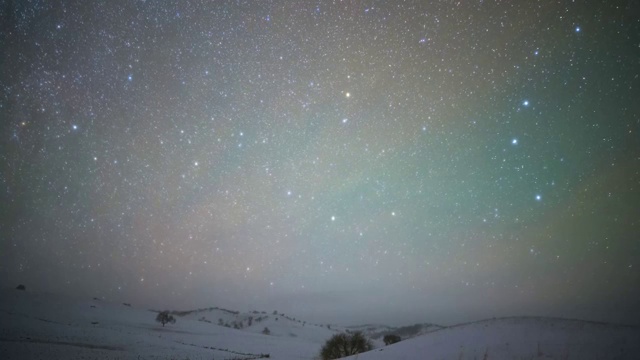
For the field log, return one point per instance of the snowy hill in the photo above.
(279, 324)
(377, 332)
(45, 326)
(518, 338)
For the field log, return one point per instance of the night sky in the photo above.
(346, 161)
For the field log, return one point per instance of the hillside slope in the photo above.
(518, 338)
(45, 326)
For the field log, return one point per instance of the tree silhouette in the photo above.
(341, 345)
(391, 339)
(164, 317)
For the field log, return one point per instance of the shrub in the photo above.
(21, 287)
(164, 317)
(391, 339)
(341, 345)
(266, 331)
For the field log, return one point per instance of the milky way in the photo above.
(438, 161)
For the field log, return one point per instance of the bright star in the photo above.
(538, 197)
(333, 218)
(577, 29)
(514, 141)
(348, 95)
(74, 127)
(525, 103)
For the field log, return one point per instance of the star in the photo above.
(514, 141)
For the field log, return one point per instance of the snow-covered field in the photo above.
(45, 326)
(518, 338)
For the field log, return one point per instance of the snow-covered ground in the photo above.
(518, 338)
(45, 326)
(377, 332)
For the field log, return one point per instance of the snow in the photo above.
(518, 338)
(46, 326)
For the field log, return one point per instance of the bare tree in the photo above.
(341, 345)
(164, 318)
(391, 339)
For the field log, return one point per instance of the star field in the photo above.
(442, 161)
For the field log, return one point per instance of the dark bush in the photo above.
(21, 287)
(341, 345)
(391, 339)
(164, 318)
(266, 331)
